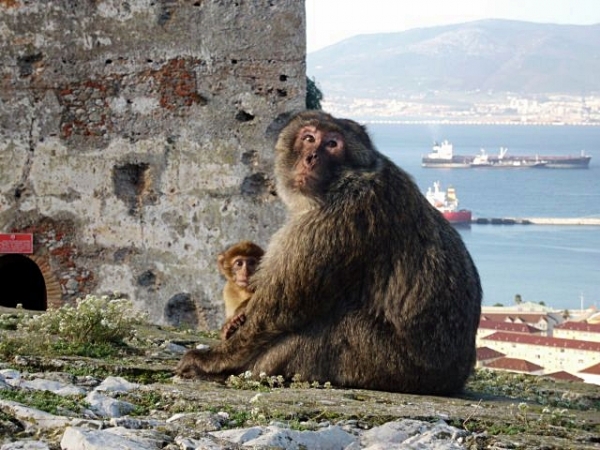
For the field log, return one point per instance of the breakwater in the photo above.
(589, 221)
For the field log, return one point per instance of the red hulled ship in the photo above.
(446, 202)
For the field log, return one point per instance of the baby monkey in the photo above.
(237, 264)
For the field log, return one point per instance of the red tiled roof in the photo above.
(594, 370)
(485, 353)
(579, 326)
(514, 364)
(507, 326)
(511, 317)
(532, 339)
(563, 376)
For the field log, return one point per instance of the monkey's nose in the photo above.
(310, 159)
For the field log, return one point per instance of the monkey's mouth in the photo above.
(307, 183)
(302, 180)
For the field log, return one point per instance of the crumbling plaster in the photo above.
(136, 141)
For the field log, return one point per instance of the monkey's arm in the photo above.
(233, 323)
(229, 357)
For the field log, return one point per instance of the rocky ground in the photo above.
(132, 401)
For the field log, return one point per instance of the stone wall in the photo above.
(136, 143)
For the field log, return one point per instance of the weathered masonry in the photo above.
(136, 144)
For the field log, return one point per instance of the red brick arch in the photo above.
(53, 289)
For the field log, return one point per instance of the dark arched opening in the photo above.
(21, 281)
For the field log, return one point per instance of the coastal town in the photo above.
(535, 339)
(473, 108)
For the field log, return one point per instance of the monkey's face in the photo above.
(315, 152)
(242, 268)
(318, 153)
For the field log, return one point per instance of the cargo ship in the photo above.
(446, 202)
(502, 162)
(442, 156)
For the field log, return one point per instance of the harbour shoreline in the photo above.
(588, 221)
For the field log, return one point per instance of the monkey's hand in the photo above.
(231, 356)
(191, 365)
(232, 325)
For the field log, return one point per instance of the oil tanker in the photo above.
(442, 156)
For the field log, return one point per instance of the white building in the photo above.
(581, 331)
(551, 353)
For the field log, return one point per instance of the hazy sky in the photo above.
(330, 21)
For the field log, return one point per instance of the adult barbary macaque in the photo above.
(366, 285)
(237, 264)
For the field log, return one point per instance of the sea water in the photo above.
(557, 265)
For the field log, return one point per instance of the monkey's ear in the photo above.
(221, 264)
(280, 122)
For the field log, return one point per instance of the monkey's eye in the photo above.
(308, 138)
(333, 141)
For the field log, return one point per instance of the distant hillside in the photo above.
(487, 55)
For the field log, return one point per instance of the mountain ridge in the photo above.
(491, 55)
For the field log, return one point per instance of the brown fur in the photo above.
(366, 285)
